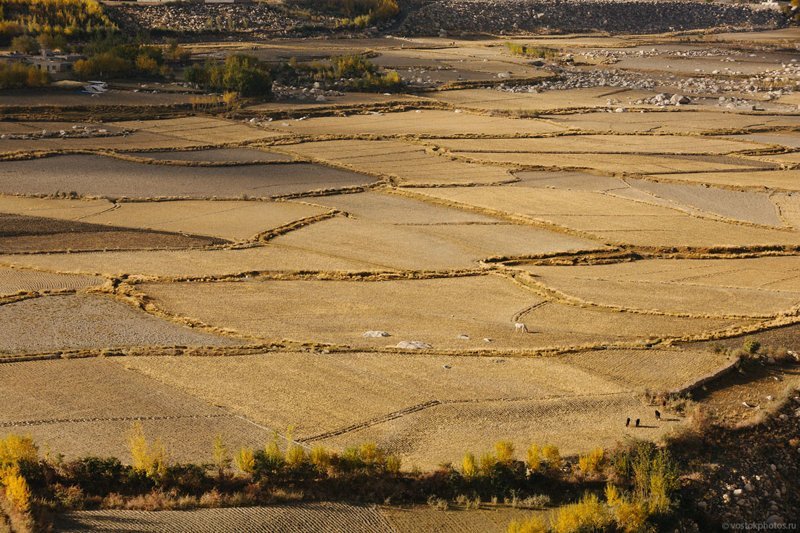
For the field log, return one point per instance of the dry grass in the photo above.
(768, 273)
(433, 192)
(138, 140)
(789, 206)
(60, 208)
(554, 324)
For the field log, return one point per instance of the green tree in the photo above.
(25, 44)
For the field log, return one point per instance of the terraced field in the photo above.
(14, 281)
(22, 233)
(86, 322)
(92, 175)
(522, 253)
(86, 415)
(330, 516)
(293, 518)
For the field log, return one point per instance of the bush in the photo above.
(531, 51)
(534, 458)
(393, 464)
(244, 75)
(16, 488)
(148, 458)
(25, 44)
(96, 475)
(487, 464)
(69, 18)
(751, 346)
(469, 466)
(245, 460)
(19, 75)
(589, 514)
(440, 504)
(356, 13)
(16, 449)
(504, 450)
(552, 457)
(533, 524)
(631, 517)
(106, 64)
(52, 42)
(222, 458)
(354, 71)
(592, 462)
(320, 458)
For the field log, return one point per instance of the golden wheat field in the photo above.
(484, 254)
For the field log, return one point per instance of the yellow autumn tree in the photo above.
(150, 458)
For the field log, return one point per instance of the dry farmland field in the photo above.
(503, 248)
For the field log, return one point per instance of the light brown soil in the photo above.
(220, 155)
(20, 233)
(13, 281)
(288, 518)
(53, 323)
(277, 390)
(91, 175)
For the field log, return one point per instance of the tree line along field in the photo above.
(469, 266)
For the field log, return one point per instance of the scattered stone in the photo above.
(375, 334)
(414, 345)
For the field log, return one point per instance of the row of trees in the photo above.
(639, 481)
(241, 74)
(348, 71)
(356, 13)
(16, 75)
(68, 18)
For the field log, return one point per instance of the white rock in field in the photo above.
(375, 334)
(414, 345)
